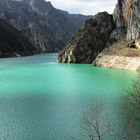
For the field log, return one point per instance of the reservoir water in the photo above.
(43, 100)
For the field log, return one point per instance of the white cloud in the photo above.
(88, 7)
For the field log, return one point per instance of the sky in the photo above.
(86, 7)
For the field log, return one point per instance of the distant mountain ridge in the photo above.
(46, 27)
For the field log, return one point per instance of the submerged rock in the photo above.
(89, 41)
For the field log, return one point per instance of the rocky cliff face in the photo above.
(105, 30)
(45, 26)
(12, 43)
(89, 41)
(127, 15)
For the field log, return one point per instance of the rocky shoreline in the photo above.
(117, 62)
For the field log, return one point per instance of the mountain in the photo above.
(46, 27)
(12, 43)
(89, 41)
(117, 34)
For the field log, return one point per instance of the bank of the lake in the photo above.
(43, 100)
(117, 62)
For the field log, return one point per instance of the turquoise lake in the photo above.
(43, 100)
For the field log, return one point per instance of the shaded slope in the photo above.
(47, 28)
(12, 43)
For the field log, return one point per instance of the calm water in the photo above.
(43, 100)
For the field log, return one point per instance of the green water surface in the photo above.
(43, 100)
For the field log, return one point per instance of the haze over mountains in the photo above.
(46, 27)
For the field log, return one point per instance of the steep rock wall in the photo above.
(89, 41)
(127, 16)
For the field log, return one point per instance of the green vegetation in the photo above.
(131, 110)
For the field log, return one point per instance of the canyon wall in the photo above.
(124, 24)
(46, 27)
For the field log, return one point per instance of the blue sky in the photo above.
(87, 7)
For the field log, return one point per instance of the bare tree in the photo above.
(92, 123)
(129, 129)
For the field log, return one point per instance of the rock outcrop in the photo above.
(46, 27)
(89, 41)
(12, 43)
(127, 17)
(104, 31)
